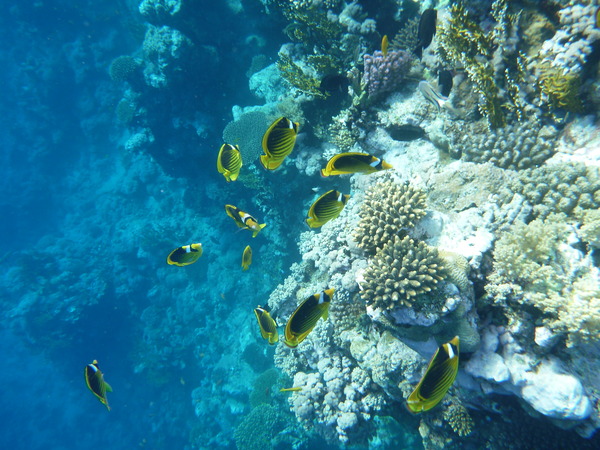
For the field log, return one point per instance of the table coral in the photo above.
(388, 209)
(400, 273)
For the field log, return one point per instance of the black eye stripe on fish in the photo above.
(437, 379)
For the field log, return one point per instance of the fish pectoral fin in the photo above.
(107, 387)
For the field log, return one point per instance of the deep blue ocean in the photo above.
(111, 116)
(61, 173)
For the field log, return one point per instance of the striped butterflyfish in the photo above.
(229, 161)
(438, 378)
(244, 220)
(354, 162)
(305, 317)
(185, 255)
(94, 379)
(278, 142)
(246, 258)
(267, 325)
(327, 207)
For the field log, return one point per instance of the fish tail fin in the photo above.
(323, 174)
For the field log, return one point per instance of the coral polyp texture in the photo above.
(517, 146)
(388, 209)
(247, 132)
(385, 73)
(401, 273)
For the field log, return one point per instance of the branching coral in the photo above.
(294, 75)
(385, 73)
(561, 88)
(533, 266)
(400, 273)
(388, 209)
(459, 419)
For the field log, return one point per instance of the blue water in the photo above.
(86, 225)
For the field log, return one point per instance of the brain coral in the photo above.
(247, 132)
(400, 273)
(388, 209)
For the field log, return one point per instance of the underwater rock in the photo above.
(556, 394)
(489, 366)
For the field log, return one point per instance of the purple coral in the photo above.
(385, 73)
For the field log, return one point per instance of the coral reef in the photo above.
(247, 132)
(400, 273)
(388, 209)
(516, 146)
(258, 428)
(123, 68)
(384, 74)
(569, 188)
(533, 266)
(459, 419)
(166, 49)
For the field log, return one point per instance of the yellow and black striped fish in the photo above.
(305, 318)
(185, 255)
(354, 162)
(244, 220)
(438, 378)
(246, 258)
(267, 325)
(94, 379)
(229, 161)
(278, 142)
(327, 207)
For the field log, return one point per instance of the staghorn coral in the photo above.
(385, 73)
(388, 209)
(247, 132)
(517, 146)
(400, 273)
(459, 419)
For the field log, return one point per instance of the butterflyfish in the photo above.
(278, 142)
(94, 379)
(185, 255)
(334, 84)
(305, 317)
(354, 162)
(427, 28)
(246, 258)
(292, 389)
(438, 378)
(267, 325)
(229, 161)
(327, 207)
(244, 220)
(384, 44)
